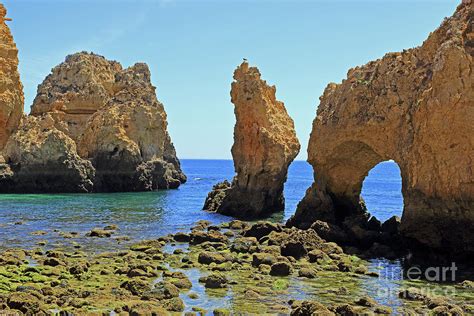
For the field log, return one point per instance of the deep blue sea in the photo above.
(152, 214)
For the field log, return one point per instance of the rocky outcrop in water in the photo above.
(417, 108)
(42, 158)
(76, 89)
(265, 144)
(11, 89)
(94, 127)
(127, 140)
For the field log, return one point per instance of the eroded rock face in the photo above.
(94, 127)
(127, 140)
(40, 158)
(75, 90)
(417, 108)
(265, 144)
(11, 89)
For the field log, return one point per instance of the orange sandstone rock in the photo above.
(127, 140)
(11, 89)
(96, 127)
(42, 158)
(417, 108)
(265, 144)
(75, 90)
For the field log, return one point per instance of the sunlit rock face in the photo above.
(127, 140)
(75, 90)
(417, 108)
(11, 89)
(43, 159)
(94, 127)
(265, 144)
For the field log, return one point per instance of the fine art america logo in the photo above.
(414, 276)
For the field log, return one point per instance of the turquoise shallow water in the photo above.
(151, 214)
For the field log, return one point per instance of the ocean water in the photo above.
(152, 214)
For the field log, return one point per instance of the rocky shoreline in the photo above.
(257, 262)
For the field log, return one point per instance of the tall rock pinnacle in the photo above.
(265, 144)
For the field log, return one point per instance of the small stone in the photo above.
(309, 273)
(215, 281)
(181, 237)
(366, 301)
(101, 233)
(207, 257)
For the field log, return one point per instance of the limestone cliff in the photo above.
(41, 158)
(75, 90)
(265, 144)
(95, 127)
(127, 140)
(11, 89)
(417, 108)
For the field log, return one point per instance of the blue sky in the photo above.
(193, 47)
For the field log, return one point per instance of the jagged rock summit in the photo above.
(417, 108)
(11, 89)
(94, 127)
(265, 144)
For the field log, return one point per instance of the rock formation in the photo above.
(75, 90)
(127, 140)
(417, 108)
(94, 127)
(11, 89)
(42, 158)
(265, 144)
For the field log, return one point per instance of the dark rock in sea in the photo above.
(199, 237)
(101, 233)
(281, 269)
(293, 249)
(392, 225)
(260, 229)
(330, 232)
(216, 281)
(206, 257)
(181, 237)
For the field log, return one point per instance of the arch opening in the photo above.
(382, 191)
